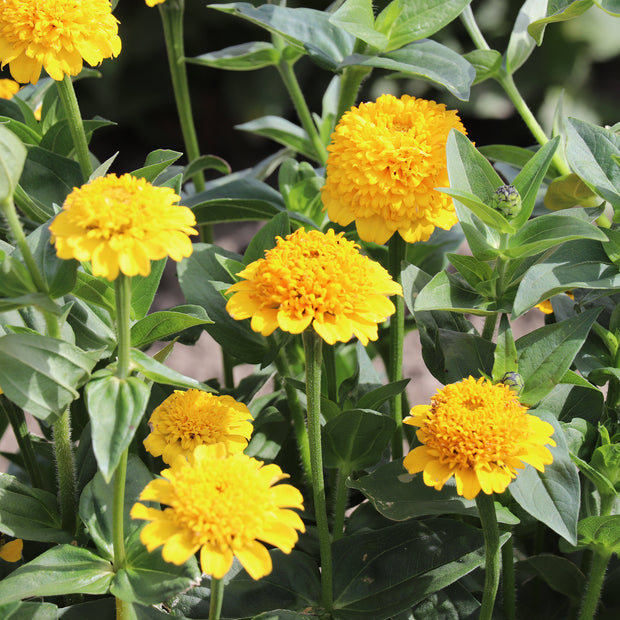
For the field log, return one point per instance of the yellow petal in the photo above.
(255, 558)
(12, 551)
(215, 562)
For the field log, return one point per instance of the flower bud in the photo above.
(507, 201)
(514, 381)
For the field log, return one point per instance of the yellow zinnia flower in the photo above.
(121, 224)
(8, 88)
(223, 505)
(385, 161)
(154, 2)
(56, 35)
(479, 433)
(188, 419)
(314, 279)
(11, 551)
(545, 306)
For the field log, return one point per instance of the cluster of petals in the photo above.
(479, 433)
(189, 419)
(56, 35)
(385, 160)
(223, 505)
(318, 280)
(121, 224)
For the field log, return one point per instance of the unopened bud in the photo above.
(506, 200)
(514, 381)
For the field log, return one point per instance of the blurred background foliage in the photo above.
(578, 61)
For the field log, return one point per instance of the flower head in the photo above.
(223, 505)
(479, 433)
(314, 279)
(8, 88)
(188, 419)
(154, 2)
(385, 161)
(121, 224)
(12, 550)
(57, 35)
(545, 306)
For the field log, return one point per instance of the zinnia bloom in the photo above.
(188, 419)
(8, 88)
(121, 224)
(385, 161)
(56, 35)
(318, 279)
(223, 505)
(11, 551)
(479, 433)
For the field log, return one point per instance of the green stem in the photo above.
(118, 513)
(297, 415)
(312, 349)
(16, 418)
(396, 254)
(227, 368)
(595, 585)
(508, 580)
(65, 464)
(122, 287)
(507, 83)
(172, 13)
(350, 82)
(329, 359)
(340, 505)
(217, 596)
(489, 327)
(488, 519)
(285, 68)
(76, 126)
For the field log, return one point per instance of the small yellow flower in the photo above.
(56, 35)
(12, 550)
(479, 433)
(385, 161)
(223, 505)
(314, 279)
(546, 307)
(122, 224)
(154, 2)
(188, 419)
(8, 88)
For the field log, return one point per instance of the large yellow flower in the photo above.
(385, 161)
(479, 433)
(56, 35)
(223, 505)
(188, 419)
(314, 279)
(8, 88)
(121, 224)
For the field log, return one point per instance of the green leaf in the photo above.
(161, 325)
(568, 191)
(97, 505)
(265, 238)
(546, 353)
(609, 6)
(590, 150)
(12, 158)
(365, 565)
(483, 211)
(356, 439)
(601, 534)
(357, 18)
(505, 351)
(115, 407)
(157, 372)
(29, 611)
(424, 59)
(148, 579)
(206, 162)
(560, 575)
(307, 29)
(486, 63)
(400, 496)
(156, 162)
(569, 401)
(95, 291)
(411, 20)
(373, 399)
(64, 569)
(244, 57)
(521, 44)
(31, 514)
(282, 131)
(547, 231)
(144, 288)
(553, 497)
(15, 280)
(557, 11)
(39, 300)
(42, 374)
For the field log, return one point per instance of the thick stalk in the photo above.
(396, 254)
(65, 464)
(76, 126)
(508, 580)
(595, 584)
(172, 13)
(297, 415)
(488, 519)
(122, 288)
(352, 78)
(217, 596)
(289, 78)
(312, 349)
